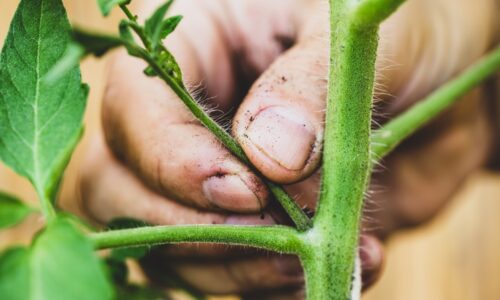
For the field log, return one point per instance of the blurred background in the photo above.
(456, 256)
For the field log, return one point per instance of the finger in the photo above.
(153, 133)
(280, 122)
(108, 190)
(371, 253)
(231, 276)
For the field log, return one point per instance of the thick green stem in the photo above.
(275, 238)
(346, 155)
(385, 139)
(297, 215)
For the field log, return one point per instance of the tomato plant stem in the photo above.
(275, 238)
(297, 215)
(346, 153)
(385, 139)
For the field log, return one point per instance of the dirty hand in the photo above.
(261, 67)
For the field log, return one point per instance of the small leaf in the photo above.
(150, 72)
(125, 32)
(60, 265)
(168, 26)
(170, 65)
(126, 35)
(40, 123)
(12, 210)
(153, 25)
(107, 5)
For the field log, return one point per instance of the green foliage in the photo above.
(166, 61)
(107, 5)
(156, 28)
(60, 264)
(12, 210)
(169, 25)
(40, 123)
(41, 108)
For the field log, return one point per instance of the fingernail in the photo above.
(229, 192)
(284, 135)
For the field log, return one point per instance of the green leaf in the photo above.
(60, 265)
(40, 123)
(125, 32)
(168, 26)
(153, 25)
(126, 35)
(12, 210)
(170, 66)
(107, 5)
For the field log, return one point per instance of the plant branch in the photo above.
(275, 238)
(369, 13)
(346, 154)
(297, 215)
(385, 139)
(135, 26)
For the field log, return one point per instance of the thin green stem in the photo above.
(385, 139)
(297, 215)
(369, 13)
(275, 238)
(128, 13)
(46, 206)
(136, 27)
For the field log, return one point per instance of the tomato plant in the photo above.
(42, 102)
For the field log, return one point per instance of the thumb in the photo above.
(279, 123)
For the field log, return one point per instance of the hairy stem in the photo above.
(275, 238)
(369, 13)
(333, 240)
(297, 215)
(385, 139)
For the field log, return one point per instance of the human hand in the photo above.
(165, 168)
